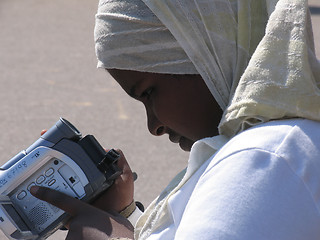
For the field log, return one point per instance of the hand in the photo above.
(120, 194)
(87, 222)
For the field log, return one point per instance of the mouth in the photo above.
(174, 138)
(185, 144)
(182, 141)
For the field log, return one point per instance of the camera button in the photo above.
(51, 182)
(30, 185)
(40, 179)
(22, 195)
(49, 172)
(79, 189)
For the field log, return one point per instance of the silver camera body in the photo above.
(60, 159)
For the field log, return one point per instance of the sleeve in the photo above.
(252, 194)
(135, 215)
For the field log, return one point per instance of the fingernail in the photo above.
(34, 190)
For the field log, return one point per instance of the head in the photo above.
(176, 104)
(241, 49)
(142, 55)
(133, 44)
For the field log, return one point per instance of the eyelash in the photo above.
(147, 93)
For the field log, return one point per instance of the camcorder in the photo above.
(62, 160)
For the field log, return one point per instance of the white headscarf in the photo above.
(220, 37)
(129, 36)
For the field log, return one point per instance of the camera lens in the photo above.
(68, 129)
(73, 128)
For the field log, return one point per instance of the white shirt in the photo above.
(263, 184)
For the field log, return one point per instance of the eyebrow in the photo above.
(133, 89)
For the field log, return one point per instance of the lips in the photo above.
(174, 138)
(184, 143)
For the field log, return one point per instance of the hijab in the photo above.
(256, 57)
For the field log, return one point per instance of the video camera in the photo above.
(60, 159)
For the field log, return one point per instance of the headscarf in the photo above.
(220, 37)
(129, 36)
(257, 58)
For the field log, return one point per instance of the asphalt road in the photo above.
(48, 70)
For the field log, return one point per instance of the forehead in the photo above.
(130, 80)
(123, 76)
(179, 84)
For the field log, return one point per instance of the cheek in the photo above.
(194, 117)
(170, 111)
(180, 116)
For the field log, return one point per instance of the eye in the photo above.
(147, 93)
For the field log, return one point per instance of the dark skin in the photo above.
(178, 105)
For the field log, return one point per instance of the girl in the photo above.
(235, 82)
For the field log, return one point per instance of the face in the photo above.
(178, 105)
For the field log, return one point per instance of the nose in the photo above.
(155, 127)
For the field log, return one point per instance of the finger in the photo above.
(66, 203)
(43, 131)
(123, 163)
(124, 166)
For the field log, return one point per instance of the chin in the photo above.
(185, 144)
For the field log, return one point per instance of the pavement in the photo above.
(314, 6)
(48, 70)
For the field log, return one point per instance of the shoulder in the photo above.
(268, 159)
(267, 177)
(292, 144)
(278, 137)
